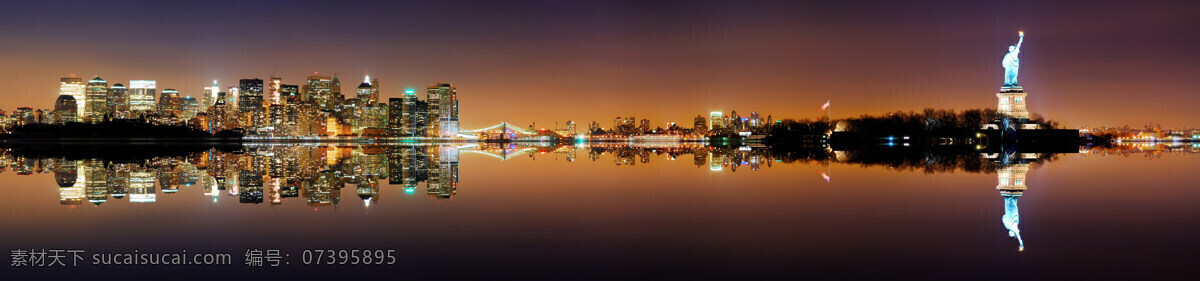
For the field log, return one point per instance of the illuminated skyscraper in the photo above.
(118, 101)
(443, 110)
(210, 96)
(141, 96)
(715, 121)
(168, 103)
(289, 94)
(73, 86)
(65, 110)
(318, 90)
(218, 114)
(700, 126)
(188, 107)
(23, 116)
(250, 103)
(274, 91)
(375, 89)
(250, 94)
(96, 101)
(367, 94)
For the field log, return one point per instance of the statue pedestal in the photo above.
(1012, 102)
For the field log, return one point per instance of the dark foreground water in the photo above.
(611, 212)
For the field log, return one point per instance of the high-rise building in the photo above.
(118, 101)
(700, 125)
(169, 103)
(274, 91)
(375, 89)
(73, 86)
(408, 125)
(141, 96)
(289, 94)
(218, 114)
(443, 100)
(592, 127)
(96, 101)
(367, 94)
(23, 116)
(250, 93)
(396, 115)
(210, 96)
(318, 90)
(250, 103)
(715, 121)
(188, 107)
(65, 109)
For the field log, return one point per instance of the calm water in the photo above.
(617, 212)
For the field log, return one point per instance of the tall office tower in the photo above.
(231, 98)
(368, 94)
(65, 110)
(141, 96)
(96, 101)
(715, 121)
(118, 101)
(73, 86)
(250, 94)
(396, 115)
(23, 116)
(755, 120)
(335, 88)
(210, 96)
(700, 125)
(408, 114)
(273, 91)
(250, 103)
(188, 107)
(375, 89)
(289, 94)
(443, 110)
(168, 103)
(218, 114)
(317, 90)
(420, 117)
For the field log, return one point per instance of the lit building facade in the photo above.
(73, 86)
(141, 96)
(96, 101)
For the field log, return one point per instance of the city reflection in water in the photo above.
(319, 173)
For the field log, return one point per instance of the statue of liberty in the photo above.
(1011, 219)
(1011, 63)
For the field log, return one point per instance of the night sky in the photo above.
(1084, 63)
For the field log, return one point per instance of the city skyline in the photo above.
(615, 60)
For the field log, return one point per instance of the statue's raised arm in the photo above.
(1020, 39)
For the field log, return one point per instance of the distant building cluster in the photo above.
(717, 123)
(1149, 133)
(256, 107)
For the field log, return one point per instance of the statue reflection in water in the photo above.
(1012, 218)
(1011, 175)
